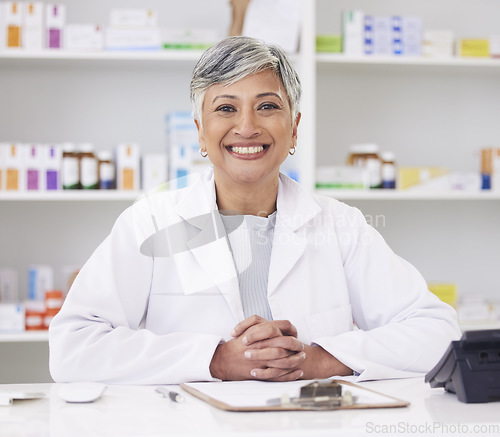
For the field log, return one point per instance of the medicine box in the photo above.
(154, 170)
(127, 167)
(409, 177)
(55, 20)
(12, 23)
(353, 32)
(382, 36)
(329, 43)
(495, 46)
(183, 148)
(40, 280)
(447, 292)
(469, 47)
(33, 26)
(3, 151)
(83, 37)
(189, 38)
(33, 166)
(14, 168)
(3, 31)
(11, 317)
(51, 165)
(342, 177)
(438, 43)
(133, 18)
(411, 31)
(116, 38)
(9, 291)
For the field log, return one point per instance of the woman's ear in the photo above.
(201, 136)
(296, 125)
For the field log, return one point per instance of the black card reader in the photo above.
(470, 367)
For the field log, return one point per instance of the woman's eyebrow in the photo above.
(259, 96)
(269, 94)
(224, 96)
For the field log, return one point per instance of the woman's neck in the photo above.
(247, 199)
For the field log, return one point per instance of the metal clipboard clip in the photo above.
(318, 395)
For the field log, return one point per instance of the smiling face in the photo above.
(247, 129)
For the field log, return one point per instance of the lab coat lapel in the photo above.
(210, 246)
(295, 209)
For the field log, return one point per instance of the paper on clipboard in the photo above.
(254, 395)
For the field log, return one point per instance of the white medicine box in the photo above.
(133, 18)
(33, 26)
(83, 37)
(3, 151)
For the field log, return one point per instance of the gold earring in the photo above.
(203, 153)
(292, 150)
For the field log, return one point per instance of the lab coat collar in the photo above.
(210, 246)
(296, 208)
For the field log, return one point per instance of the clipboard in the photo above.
(248, 396)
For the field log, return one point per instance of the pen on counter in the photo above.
(172, 395)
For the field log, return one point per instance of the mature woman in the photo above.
(243, 274)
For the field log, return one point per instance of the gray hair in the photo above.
(237, 57)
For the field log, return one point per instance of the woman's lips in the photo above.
(247, 150)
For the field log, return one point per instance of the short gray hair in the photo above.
(237, 57)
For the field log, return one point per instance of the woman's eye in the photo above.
(269, 106)
(226, 108)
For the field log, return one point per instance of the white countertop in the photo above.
(139, 411)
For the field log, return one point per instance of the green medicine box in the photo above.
(329, 43)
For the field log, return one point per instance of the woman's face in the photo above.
(247, 129)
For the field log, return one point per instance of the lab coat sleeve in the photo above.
(97, 335)
(402, 329)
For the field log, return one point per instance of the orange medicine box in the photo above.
(128, 167)
(13, 168)
(13, 19)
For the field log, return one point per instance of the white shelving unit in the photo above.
(111, 97)
(25, 337)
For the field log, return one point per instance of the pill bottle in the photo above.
(89, 170)
(388, 170)
(106, 170)
(367, 157)
(486, 168)
(34, 314)
(53, 301)
(70, 167)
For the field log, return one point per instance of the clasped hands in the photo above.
(270, 351)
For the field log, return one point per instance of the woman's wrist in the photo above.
(321, 364)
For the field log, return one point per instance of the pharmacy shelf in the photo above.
(191, 56)
(71, 195)
(24, 337)
(334, 58)
(130, 196)
(407, 194)
(119, 55)
(478, 325)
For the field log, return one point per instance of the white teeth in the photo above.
(247, 150)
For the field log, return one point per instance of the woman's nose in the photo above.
(246, 125)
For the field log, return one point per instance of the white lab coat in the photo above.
(161, 292)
